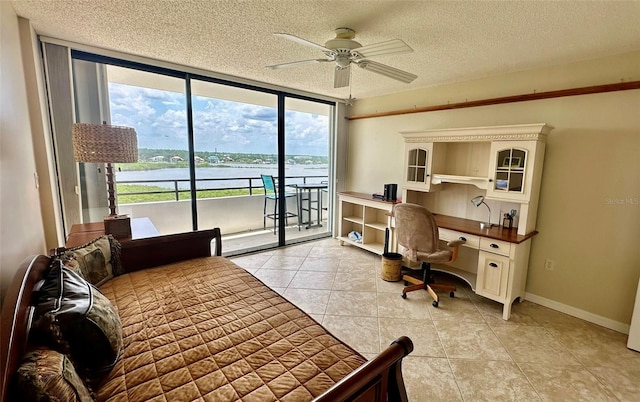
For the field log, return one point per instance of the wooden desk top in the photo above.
(83, 233)
(473, 227)
(365, 196)
(461, 224)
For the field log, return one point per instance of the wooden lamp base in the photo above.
(119, 226)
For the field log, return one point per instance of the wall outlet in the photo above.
(549, 265)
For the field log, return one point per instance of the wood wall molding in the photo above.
(623, 86)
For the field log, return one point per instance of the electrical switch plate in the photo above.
(549, 265)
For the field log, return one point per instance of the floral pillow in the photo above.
(48, 375)
(97, 261)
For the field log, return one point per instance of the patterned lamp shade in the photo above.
(103, 143)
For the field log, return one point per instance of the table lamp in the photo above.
(480, 200)
(104, 143)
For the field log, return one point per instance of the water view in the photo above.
(238, 173)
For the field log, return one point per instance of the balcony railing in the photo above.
(252, 185)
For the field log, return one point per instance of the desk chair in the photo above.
(271, 193)
(417, 233)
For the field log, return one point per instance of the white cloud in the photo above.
(160, 119)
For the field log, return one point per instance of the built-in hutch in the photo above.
(444, 169)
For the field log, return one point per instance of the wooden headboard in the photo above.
(17, 312)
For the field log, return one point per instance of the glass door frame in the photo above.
(281, 96)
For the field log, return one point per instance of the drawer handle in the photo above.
(493, 245)
(462, 238)
(493, 265)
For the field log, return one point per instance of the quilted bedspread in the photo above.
(206, 329)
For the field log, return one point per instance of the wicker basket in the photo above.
(391, 267)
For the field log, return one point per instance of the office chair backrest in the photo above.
(268, 183)
(416, 228)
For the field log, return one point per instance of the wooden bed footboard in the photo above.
(379, 379)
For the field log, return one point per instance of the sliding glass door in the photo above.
(158, 186)
(235, 134)
(307, 163)
(204, 146)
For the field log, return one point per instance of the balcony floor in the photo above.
(246, 242)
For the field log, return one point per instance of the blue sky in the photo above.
(159, 118)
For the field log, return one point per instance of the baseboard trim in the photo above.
(576, 312)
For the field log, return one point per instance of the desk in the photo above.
(498, 263)
(493, 261)
(83, 233)
(307, 204)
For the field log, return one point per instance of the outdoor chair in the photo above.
(271, 195)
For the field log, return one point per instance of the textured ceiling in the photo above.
(452, 41)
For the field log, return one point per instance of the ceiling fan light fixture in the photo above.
(338, 43)
(343, 60)
(344, 51)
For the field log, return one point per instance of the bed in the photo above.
(198, 327)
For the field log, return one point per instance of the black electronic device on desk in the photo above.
(390, 193)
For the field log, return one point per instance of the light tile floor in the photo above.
(463, 350)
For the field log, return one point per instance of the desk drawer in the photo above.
(495, 246)
(471, 241)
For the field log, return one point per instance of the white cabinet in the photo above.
(512, 170)
(418, 164)
(367, 216)
(502, 271)
(495, 261)
(493, 276)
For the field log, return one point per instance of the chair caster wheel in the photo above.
(451, 294)
(435, 304)
(404, 295)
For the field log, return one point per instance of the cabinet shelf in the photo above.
(354, 219)
(377, 225)
(505, 169)
(480, 182)
(377, 248)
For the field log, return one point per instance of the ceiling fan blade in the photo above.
(387, 71)
(379, 49)
(302, 41)
(341, 76)
(297, 63)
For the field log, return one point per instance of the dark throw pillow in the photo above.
(73, 317)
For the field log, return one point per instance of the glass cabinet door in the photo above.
(510, 170)
(417, 159)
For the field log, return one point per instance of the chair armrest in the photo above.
(455, 243)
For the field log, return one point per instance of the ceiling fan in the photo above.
(344, 51)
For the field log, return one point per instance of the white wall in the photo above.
(591, 163)
(21, 228)
(230, 214)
